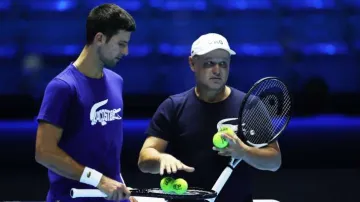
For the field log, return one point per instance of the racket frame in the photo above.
(241, 135)
(144, 192)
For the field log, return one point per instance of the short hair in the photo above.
(108, 19)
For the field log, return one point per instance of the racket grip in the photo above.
(219, 184)
(79, 193)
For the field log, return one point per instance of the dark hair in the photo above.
(108, 19)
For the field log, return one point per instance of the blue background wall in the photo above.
(313, 45)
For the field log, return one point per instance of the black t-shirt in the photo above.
(188, 124)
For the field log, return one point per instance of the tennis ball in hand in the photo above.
(227, 130)
(180, 186)
(166, 184)
(219, 141)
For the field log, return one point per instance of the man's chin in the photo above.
(215, 86)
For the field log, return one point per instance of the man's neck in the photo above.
(88, 64)
(212, 96)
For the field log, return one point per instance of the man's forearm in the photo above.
(263, 159)
(61, 163)
(149, 161)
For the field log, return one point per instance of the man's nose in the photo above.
(216, 69)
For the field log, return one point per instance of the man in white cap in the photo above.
(184, 124)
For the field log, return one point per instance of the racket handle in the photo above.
(79, 193)
(219, 184)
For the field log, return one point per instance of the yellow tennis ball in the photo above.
(179, 186)
(219, 141)
(166, 184)
(227, 130)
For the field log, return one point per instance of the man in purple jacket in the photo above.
(80, 132)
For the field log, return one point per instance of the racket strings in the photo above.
(266, 112)
(278, 120)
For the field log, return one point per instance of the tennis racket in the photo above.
(263, 116)
(193, 193)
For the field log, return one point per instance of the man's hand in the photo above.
(267, 158)
(113, 189)
(236, 148)
(172, 165)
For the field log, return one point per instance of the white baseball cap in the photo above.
(209, 42)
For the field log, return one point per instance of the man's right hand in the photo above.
(172, 165)
(113, 189)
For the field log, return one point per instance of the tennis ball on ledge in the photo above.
(180, 186)
(166, 184)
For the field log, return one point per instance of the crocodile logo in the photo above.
(103, 116)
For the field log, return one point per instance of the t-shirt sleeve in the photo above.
(54, 106)
(162, 122)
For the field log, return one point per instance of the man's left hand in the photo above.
(236, 148)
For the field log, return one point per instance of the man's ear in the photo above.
(191, 64)
(99, 38)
